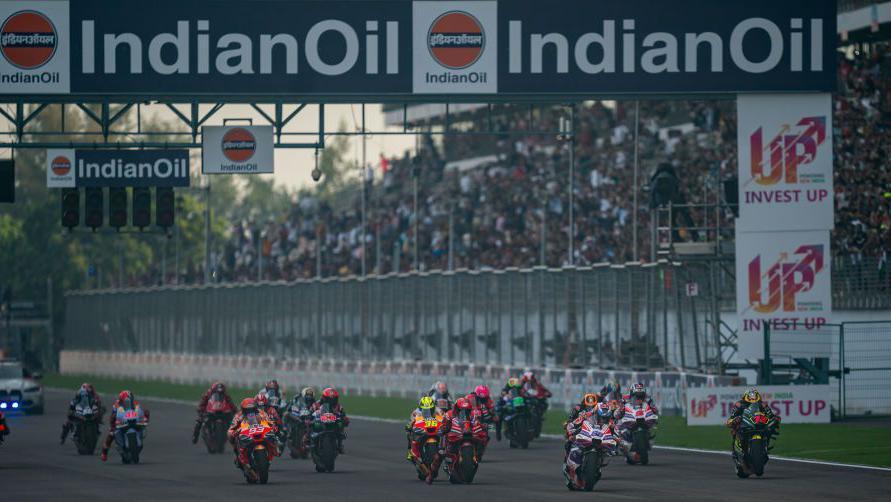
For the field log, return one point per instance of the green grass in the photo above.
(850, 443)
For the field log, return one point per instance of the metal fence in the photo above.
(859, 351)
(622, 317)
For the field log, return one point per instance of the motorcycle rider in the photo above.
(127, 401)
(534, 388)
(427, 409)
(4, 429)
(482, 400)
(461, 412)
(274, 394)
(248, 412)
(751, 397)
(262, 402)
(440, 394)
(331, 400)
(85, 390)
(611, 391)
(587, 407)
(218, 389)
(513, 385)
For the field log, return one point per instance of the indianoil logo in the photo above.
(239, 144)
(28, 39)
(61, 166)
(456, 40)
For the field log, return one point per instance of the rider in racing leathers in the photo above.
(427, 409)
(454, 420)
(534, 388)
(637, 394)
(750, 398)
(263, 404)
(577, 415)
(86, 389)
(127, 400)
(249, 411)
(513, 384)
(274, 394)
(4, 429)
(331, 399)
(440, 394)
(218, 388)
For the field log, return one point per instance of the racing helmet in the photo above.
(309, 395)
(463, 408)
(126, 399)
(638, 391)
(248, 405)
(589, 400)
(482, 392)
(87, 387)
(513, 383)
(261, 400)
(441, 388)
(330, 397)
(528, 377)
(427, 406)
(218, 388)
(752, 396)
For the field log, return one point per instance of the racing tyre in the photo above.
(757, 456)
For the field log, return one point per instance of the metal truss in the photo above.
(120, 123)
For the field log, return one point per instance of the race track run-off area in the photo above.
(34, 467)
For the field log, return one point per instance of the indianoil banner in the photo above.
(795, 404)
(783, 280)
(384, 50)
(785, 162)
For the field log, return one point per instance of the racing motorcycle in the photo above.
(326, 427)
(129, 433)
(4, 430)
(586, 458)
(218, 416)
(637, 422)
(295, 421)
(462, 468)
(752, 440)
(517, 421)
(86, 425)
(426, 432)
(536, 411)
(256, 444)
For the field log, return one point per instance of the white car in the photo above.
(19, 391)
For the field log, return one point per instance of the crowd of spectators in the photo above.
(511, 208)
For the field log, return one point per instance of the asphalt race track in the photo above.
(34, 467)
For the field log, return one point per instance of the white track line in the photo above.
(559, 437)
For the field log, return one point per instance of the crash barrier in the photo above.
(795, 404)
(620, 317)
(373, 378)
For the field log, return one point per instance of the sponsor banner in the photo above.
(795, 404)
(117, 168)
(461, 42)
(34, 47)
(237, 149)
(783, 279)
(390, 49)
(785, 162)
(60, 168)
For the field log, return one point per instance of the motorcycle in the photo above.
(752, 443)
(518, 421)
(129, 433)
(295, 420)
(426, 432)
(637, 422)
(326, 428)
(586, 459)
(256, 444)
(4, 430)
(462, 469)
(536, 408)
(86, 426)
(218, 416)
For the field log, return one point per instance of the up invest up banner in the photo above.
(783, 280)
(785, 162)
(378, 50)
(795, 404)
